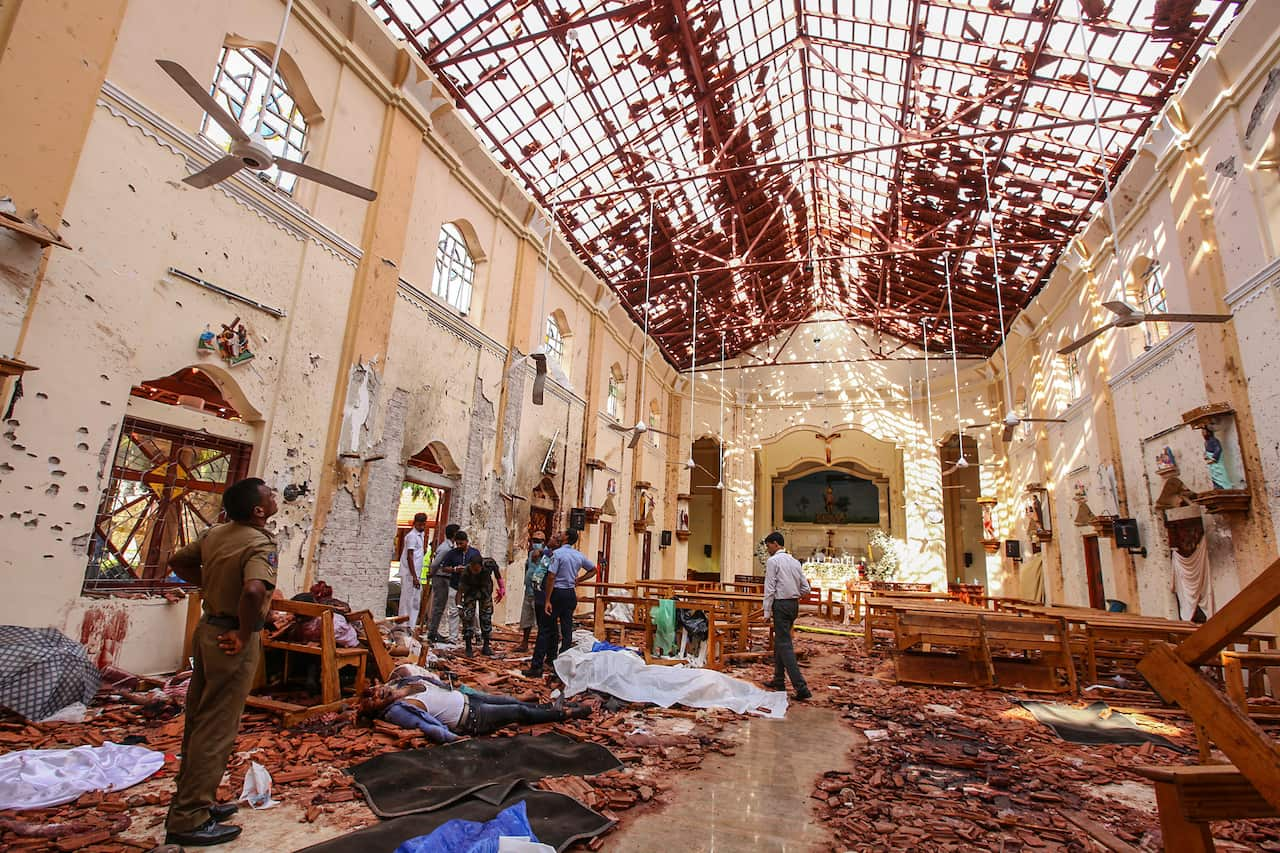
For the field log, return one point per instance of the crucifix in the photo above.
(828, 438)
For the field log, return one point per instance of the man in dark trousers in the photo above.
(235, 565)
(569, 567)
(784, 586)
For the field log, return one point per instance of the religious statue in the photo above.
(829, 498)
(684, 519)
(233, 343)
(1213, 458)
(827, 438)
(1035, 513)
(988, 523)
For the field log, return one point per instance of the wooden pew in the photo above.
(1030, 653)
(942, 648)
(605, 627)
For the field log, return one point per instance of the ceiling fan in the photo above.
(1011, 422)
(638, 431)
(249, 150)
(1128, 316)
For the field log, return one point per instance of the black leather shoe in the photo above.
(773, 685)
(206, 834)
(531, 673)
(222, 812)
(802, 695)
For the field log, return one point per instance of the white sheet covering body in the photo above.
(39, 778)
(627, 676)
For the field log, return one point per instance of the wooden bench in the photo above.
(1190, 797)
(1030, 653)
(607, 628)
(941, 648)
(963, 645)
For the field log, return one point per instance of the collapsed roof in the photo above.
(801, 159)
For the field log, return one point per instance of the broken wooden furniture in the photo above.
(612, 629)
(877, 610)
(1234, 664)
(1190, 797)
(1175, 673)
(332, 658)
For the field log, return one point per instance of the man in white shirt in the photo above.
(784, 586)
(441, 594)
(410, 569)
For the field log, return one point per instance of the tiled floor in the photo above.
(754, 800)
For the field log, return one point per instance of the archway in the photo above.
(544, 503)
(706, 513)
(961, 514)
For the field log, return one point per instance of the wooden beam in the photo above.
(1251, 749)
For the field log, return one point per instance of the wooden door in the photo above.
(646, 552)
(1093, 573)
(606, 548)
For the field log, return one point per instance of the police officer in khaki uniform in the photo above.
(235, 564)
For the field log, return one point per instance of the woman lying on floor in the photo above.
(413, 699)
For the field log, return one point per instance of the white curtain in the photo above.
(1191, 580)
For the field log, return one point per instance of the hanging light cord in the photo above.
(1097, 132)
(928, 393)
(995, 259)
(644, 352)
(722, 409)
(955, 367)
(693, 363)
(275, 62)
(551, 221)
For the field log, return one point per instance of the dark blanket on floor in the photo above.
(422, 780)
(556, 819)
(1096, 723)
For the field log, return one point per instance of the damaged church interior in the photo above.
(726, 425)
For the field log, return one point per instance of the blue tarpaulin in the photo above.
(468, 836)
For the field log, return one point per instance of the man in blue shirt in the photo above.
(569, 566)
(535, 569)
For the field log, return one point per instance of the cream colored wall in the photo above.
(1192, 199)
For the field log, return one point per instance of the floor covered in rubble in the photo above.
(867, 764)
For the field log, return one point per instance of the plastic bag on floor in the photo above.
(257, 788)
(469, 836)
(664, 627)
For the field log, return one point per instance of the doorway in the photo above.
(542, 509)
(706, 511)
(646, 549)
(1093, 573)
(606, 548)
(961, 514)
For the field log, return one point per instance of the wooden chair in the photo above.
(332, 657)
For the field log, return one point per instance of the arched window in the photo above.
(455, 273)
(655, 421)
(613, 402)
(1075, 382)
(553, 339)
(243, 76)
(1149, 286)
